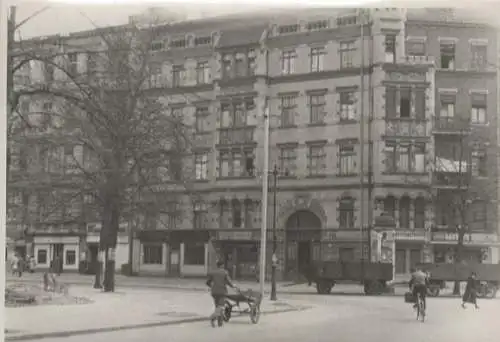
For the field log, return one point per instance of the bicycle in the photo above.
(420, 308)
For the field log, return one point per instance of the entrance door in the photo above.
(400, 261)
(304, 254)
(93, 257)
(57, 254)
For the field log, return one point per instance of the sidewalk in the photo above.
(127, 309)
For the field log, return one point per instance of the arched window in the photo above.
(346, 213)
(404, 213)
(419, 220)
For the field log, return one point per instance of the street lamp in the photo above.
(274, 258)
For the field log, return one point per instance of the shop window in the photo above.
(194, 253)
(153, 254)
(346, 254)
(41, 257)
(70, 257)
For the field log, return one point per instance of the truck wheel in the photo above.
(367, 288)
(324, 287)
(433, 291)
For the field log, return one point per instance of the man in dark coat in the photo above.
(470, 294)
(218, 280)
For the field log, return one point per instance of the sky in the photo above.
(64, 16)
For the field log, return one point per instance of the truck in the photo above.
(440, 273)
(374, 273)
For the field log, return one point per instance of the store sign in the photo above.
(348, 235)
(474, 238)
(236, 235)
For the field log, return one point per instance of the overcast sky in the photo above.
(63, 18)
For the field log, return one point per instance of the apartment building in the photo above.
(418, 87)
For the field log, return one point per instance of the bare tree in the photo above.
(126, 138)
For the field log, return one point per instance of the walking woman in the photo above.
(470, 295)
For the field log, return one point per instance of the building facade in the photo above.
(370, 111)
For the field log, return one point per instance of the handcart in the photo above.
(253, 300)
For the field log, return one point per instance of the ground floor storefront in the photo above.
(64, 250)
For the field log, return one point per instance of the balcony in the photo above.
(452, 125)
(442, 180)
(397, 127)
(236, 136)
(417, 60)
(411, 235)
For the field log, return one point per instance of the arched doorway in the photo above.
(303, 236)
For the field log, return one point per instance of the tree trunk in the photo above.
(112, 236)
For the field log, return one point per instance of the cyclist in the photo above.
(218, 280)
(418, 285)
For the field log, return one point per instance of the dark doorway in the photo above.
(93, 249)
(57, 254)
(304, 254)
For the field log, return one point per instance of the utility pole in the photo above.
(274, 259)
(265, 175)
(362, 135)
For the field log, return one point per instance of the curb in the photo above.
(62, 334)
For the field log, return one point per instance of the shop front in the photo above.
(188, 252)
(409, 249)
(478, 247)
(63, 249)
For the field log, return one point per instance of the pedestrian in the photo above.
(470, 294)
(14, 264)
(218, 280)
(32, 264)
(20, 266)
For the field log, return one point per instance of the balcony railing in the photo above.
(236, 135)
(416, 60)
(410, 235)
(480, 238)
(405, 127)
(450, 180)
(451, 125)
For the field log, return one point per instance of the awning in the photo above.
(451, 166)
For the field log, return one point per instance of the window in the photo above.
(447, 106)
(157, 45)
(404, 103)
(194, 253)
(203, 41)
(447, 56)
(316, 160)
(235, 114)
(240, 65)
(479, 163)
(178, 43)
(155, 75)
(70, 257)
(201, 166)
(317, 108)
(288, 62)
(479, 215)
(41, 256)
(347, 159)
(404, 158)
(347, 109)
(202, 73)
(390, 205)
(166, 220)
(177, 75)
(201, 116)
(478, 110)
(390, 102)
(317, 59)
(420, 103)
(390, 48)
(200, 214)
(419, 220)
(415, 48)
(72, 63)
(236, 163)
(404, 213)
(226, 66)
(347, 54)
(479, 56)
(317, 25)
(288, 159)
(288, 105)
(288, 29)
(252, 62)
(237, 214)
(346, 213)
(152, 254)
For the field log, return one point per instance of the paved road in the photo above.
(345, 319)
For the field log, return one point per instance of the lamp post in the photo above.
(274, 258)
(265, 174)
